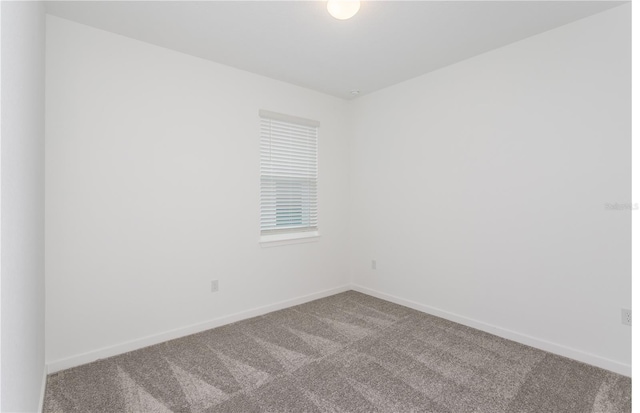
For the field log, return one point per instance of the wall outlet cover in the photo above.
(626, 317)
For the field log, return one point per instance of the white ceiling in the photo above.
(387, 42)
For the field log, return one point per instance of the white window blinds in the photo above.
(288, 174)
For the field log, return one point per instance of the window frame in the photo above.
(290, 235)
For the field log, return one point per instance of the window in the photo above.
(288, 176)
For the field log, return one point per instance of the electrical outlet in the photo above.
(373, 264)
(214, 286)
(626, 317)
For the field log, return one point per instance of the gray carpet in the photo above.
(345, 353)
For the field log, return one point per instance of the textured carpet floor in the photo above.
(345, 353)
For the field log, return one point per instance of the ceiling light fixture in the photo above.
(343, 9)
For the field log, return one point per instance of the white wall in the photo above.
(153, 191)
(22, 205)
(480, 189)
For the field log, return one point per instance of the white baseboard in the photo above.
(88, 357)
(43, 387)
(137, 344)
(607, 364)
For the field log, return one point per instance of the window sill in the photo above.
(277, 240)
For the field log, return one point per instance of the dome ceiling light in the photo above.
(343, 9)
